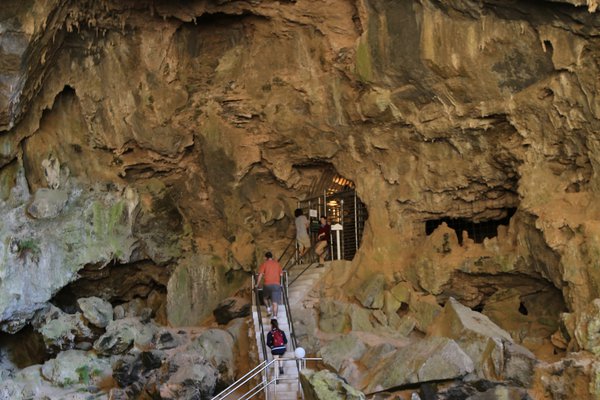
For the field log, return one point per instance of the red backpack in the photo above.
(277, 338)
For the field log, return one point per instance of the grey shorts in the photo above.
(272, 292)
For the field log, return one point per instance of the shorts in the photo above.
(303, 241)
(272, 292)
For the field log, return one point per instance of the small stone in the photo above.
(119, 312)
(85, 346)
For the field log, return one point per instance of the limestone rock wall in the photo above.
(214, 113)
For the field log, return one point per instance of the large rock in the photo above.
(370, 294)
(325, 385)
(587, 328)
(216, 346)
(194, 378)
(122, 334)
(305, 327)
(346, 347)
(430, 359)
(61, 331)
(99, 312)
(490, 347)
(423, 309)
(134, 368)
(231, 308)
(576, 376)
(333, 316)
(75, 366)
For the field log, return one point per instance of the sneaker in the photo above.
(269, 312)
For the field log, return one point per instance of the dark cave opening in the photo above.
(23, 349)
(477, 231)
(523, 309)
(141, 284)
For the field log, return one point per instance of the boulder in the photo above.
(346, 347)
(325, 385)
(231, 308)
(194, 378)
(122, 334)
(370, 294)
(587, 327)
(576, 376)
(333, 316)
(426, 360)
(75, 366)
(305, 327)
(376, 354)
(61, 331)
(424, 310)
(99, 312)
(490, 347)
(360, 318)
(134, 368)
(216, 346)
(47, 203)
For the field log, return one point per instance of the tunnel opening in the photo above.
(334, 196)
(134, 287)
(22, 349)
(477, 231)
(527, 307)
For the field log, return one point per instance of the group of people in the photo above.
(303, 237)
(272, 272)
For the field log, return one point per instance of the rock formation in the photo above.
(150, 150)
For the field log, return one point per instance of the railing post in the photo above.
(337, 228)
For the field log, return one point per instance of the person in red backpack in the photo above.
(277, 341)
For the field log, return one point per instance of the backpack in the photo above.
(278, 338)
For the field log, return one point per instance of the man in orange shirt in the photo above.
(272, 272)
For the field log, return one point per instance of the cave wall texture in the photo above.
(180, 134)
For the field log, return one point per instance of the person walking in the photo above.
(324, 238)
(302, 237)
(277, 341)
(272, 271)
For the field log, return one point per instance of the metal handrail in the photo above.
(283, 253)
(259, 369)
(303, 271)
(288, 311)
(259, 316)
(291, 256)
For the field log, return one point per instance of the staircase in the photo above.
(303, 283)
(304, 277)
